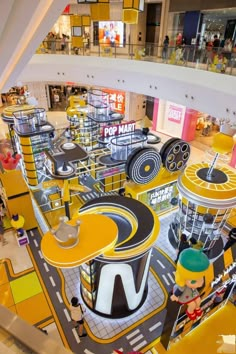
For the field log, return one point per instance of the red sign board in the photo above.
(118, 129)
(117, 100)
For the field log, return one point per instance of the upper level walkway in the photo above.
(216, 60)
(185, 84)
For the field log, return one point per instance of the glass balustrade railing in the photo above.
(216, 60)
(17, 336)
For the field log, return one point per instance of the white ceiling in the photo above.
(23, 25)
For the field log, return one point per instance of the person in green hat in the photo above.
(191, 268)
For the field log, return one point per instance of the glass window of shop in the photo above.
(170, 118)
(220, 22)
(59, 95)
(175, 26)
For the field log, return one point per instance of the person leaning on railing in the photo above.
(209, 47)
(227, 50)
(165, 48)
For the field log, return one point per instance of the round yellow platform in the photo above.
(8, 111)
(192, 182)
(98, 233)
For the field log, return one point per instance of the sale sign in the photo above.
(117, 100)
(118, 129)
(175, 113)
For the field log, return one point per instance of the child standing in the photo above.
(77, 315)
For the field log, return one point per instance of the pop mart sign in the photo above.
(118, 129)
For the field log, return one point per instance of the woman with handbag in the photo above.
(77, 315)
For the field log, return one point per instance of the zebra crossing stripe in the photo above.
(171, 278)
(133, 334)
(140, 345)
(75, 333)
(156, 325)
(161, 264)
(135, 340)
(165, 279)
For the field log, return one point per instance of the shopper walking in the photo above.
(165, 49)
(216, 46)
(231, 239)
(216, 42)
(77, 316)
(63, 43)
(52, 40)
(184, 244)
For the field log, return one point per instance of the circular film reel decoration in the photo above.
(175, 154)
(143, 165)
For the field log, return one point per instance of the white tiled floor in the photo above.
(19, 256)
(107, 328)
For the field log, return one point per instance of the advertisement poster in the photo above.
(111, 33)
(159, 199)
(117, 100)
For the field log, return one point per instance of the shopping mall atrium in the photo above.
(117, 176)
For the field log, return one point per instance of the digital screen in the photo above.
(111, 33)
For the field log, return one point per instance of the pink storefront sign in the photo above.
(175, 114)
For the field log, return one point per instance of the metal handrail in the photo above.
(27, 335)
(205, 58)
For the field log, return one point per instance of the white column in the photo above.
(164, 23)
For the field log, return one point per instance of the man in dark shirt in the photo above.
(216, 42)
(183, 244)
(231, 239)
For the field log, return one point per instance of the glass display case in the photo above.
(32, 149)
(98, 98)
(86, 133)
(99, 107)
(122, 145)
(192, 218)
(206, 198)
(30, 120)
